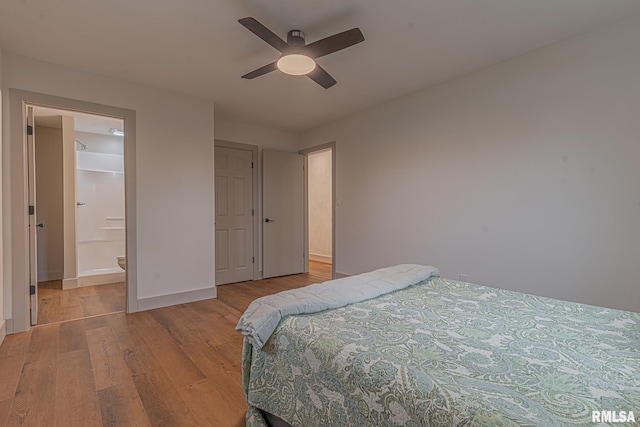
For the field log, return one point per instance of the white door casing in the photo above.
(283, 213)
(20, 300)
(33, 250)
(234, 215)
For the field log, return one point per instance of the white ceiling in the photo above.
(197, 47)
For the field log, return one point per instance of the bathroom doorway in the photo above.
(23, 300)
(79, 209)
(320, 177)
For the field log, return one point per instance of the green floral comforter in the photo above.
(447, 353)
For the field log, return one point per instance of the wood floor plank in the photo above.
(215, 307)
(43, 344)
(72, 337)
(93, 305)
(204, 319)
(120, 324)
(48, 308)
(180, 323)
(120, 405)
(157, 393)
(231, 351)
(5, 408)
(58, 305)
(214, 365)
(107, 360)
(71, 297)
(75, 396)
(12, 356)
(96, 323)
(320, 269)
(66, 312)
(34, 402)
(111, 289)
(179, 368)
(213, 405)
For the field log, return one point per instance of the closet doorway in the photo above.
(320, 212)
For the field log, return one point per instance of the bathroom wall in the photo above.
(100, 213)
(320, 230)
(49, 202)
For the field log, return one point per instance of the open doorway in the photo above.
(77, 190)
(320, 176)
(24, 226)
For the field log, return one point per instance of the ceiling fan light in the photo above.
(296, 64)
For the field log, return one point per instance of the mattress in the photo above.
(447, 353)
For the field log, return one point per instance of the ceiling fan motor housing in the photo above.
(295, 38)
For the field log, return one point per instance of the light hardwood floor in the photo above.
(57, 305)
(320, 269)
(174, 366)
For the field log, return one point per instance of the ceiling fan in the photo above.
(297, 57)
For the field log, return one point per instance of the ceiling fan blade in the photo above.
(320, 76)
(334, 43)
(261, 71)
(264, 33)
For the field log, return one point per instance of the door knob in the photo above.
(41, 225)
(269, 220)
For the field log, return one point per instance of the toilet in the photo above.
(122, 262)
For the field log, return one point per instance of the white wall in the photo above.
(233, 130)
(320, 207)
(174, 171)
(523, 175)
(49, 198)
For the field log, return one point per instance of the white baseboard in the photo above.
(320, 258)
(69, 283)
(177, 298)
(101, 279)
(3, 330)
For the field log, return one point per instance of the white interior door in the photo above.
(234, 215)
(33, 250)
(283, 213)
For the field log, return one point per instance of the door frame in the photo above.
(32, 220)
(254, 184)
(331, 146)
(19, 257)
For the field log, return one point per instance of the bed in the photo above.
(421, 350)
